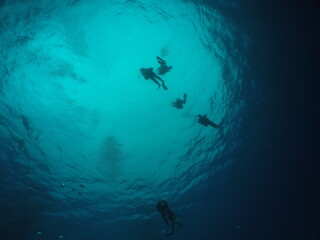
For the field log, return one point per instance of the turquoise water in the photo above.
(86, 141)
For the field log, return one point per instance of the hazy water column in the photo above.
(77, 110)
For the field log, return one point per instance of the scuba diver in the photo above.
(163, 69)
(204, 120)
(148, 73)
(179, 102)
(167, 214)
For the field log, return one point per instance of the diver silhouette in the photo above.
(178, 103)
(148, 73)
(163, 69)
(204, 120)
(167, 214)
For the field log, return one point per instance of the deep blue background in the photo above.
(272, 191)
(276, 180)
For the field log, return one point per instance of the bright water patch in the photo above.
(79, 120)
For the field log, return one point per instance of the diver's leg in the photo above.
(179, 223)
(159, 78)
(168, 234)
(161, 61)
(165, 219)
(163, 85)
(172, 230)
(153, 79)
(212, 124)
(160, 70)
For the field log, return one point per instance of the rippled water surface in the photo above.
(88, 146)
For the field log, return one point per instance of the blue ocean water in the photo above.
(88, 146)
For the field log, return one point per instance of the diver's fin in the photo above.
(168, 234)
(164, 86)
(222, 122)
(160, 59)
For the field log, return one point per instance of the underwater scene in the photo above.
(156, 119)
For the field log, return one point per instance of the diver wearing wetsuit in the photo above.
(167, 214)
(204, 120)
(180, 102)
(148, 73)
(163, 69)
